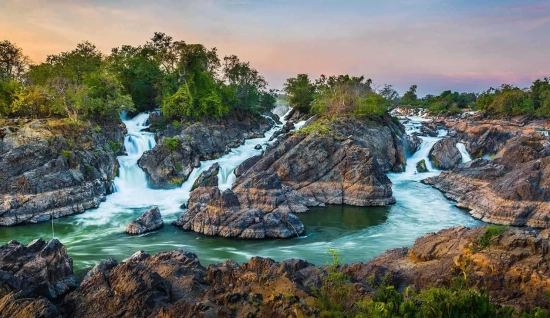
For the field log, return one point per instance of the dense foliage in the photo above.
(507, 100)
(341, 95)
(186, 81)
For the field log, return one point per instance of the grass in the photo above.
(491, 231)
(172, 143)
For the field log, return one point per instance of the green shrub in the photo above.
(172, 143)
(179, 167)
(176, 124)
(317, 127)
(334, 291)
(179, 105)
(97, 128)
(66, 153)
(491, 231)
(115, 146)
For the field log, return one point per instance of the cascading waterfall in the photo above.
(465, 155)
(136, 142)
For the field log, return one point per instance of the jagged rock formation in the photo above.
(205, 140)
(512, 189)
(216, 213)
(147, 222)
(52, 171)
(40, 269)
(445, 155)
(346, 166)
(512, 265)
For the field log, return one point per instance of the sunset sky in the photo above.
(436, 44)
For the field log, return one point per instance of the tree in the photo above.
(13, 63)
(139, 73)
(245, 81)
(389, 94)
(300, 92)
(75, 64)
(410, 98)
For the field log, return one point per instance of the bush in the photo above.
(179, 105)
(66, 153)
(491, 231)
(172, 143)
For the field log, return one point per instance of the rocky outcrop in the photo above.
(346, 166)
(147, 222)
(511, 264)
(421, 166)
(413, 144)
(40, 269)
(205, 140)
(216, 213)
(51, 169)
(445, 155)
(512, 189)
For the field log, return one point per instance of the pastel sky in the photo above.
(463, 45)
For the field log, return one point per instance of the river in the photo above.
(358, 233)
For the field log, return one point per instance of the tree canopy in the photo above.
(183, 80)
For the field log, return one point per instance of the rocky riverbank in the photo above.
(512, 189)
(181, 146)
(174, 283)
(50, 168)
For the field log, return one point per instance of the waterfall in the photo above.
(136, 142)
(465, 155)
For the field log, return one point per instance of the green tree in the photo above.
(13, 63)
(300, 92)
(410, 98)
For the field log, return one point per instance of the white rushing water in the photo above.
(465, 155)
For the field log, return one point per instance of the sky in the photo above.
(462, 45)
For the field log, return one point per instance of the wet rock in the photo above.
(245, 165)
(445, 155)
(208, 178)
(414, 143)
(428, 131)
(258, 147)
(147, 222)
(421, 166)
(38, 269)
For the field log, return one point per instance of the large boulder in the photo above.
(216, 213)
(445, 155)
(147, 222)
(40, 269)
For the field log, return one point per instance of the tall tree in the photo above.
(13, 63)
(300, 92)
(410, 98)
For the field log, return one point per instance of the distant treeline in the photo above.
(184, 80)
(345, 95)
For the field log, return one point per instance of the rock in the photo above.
(16, 305)
(512, 267)
(445, 155)
(247, 164)
(147, 222)
(511, 189)
(40, 269)
(217, 213)
(414, 143)
(315, 170)
(421, 166)
(46, 172)
(208, 178)
(258, 147)
(205, 140)
(428, 131)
